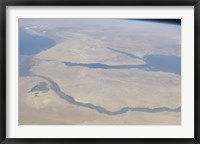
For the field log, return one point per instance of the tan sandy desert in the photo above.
(99, 72)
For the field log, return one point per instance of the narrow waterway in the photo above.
(170, 64)
(54, 86)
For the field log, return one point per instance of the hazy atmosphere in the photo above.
(99, 71)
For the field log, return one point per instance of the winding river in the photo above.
(29, 45)
(54, 86)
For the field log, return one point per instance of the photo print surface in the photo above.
(99, 71)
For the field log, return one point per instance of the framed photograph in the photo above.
(100, 71)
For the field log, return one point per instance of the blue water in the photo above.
(25, 63)
(55, 87)
(124, 53)
(154, 62)
(30, 44)
(171, 64)
(164, 63)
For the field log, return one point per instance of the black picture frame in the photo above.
(5, 3)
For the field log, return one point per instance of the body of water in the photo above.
(55, 87)
(30, 44)
(171, 64)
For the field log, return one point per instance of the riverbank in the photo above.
(49, 109)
